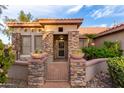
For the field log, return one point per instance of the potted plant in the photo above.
(77, 54)
(36, 54)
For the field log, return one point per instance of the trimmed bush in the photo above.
(116, 70)
(109, 49)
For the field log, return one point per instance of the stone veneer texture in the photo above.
(36, 75)
(73, 41)
(48, 45)
(16, 41)
(77, 72)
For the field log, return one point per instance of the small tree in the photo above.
(90, 38)
(7, 58)
(24, 17)
(29, 17)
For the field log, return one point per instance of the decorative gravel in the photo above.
(13, 83)
(101, 80)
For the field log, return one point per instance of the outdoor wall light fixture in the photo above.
(61, 37)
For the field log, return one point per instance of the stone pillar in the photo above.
(77, 72)
(73, 41)
(36, 77)
(16, 41)
(47, 45)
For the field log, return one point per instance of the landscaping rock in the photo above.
(101, 80)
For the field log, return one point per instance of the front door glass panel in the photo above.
(61, 49)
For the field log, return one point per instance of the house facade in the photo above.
(57, 37)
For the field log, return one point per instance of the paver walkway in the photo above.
(56, 84)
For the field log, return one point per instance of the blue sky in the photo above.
(94, 15)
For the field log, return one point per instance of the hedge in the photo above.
(116, 70)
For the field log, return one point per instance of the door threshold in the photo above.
(58, 80)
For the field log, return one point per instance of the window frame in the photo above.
(35, 41)
(60, 29)
(32, 43)
(22, 36)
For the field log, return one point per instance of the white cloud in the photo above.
(36, 10)
(108, 11)
(75, 9)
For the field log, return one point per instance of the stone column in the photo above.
(73, 41)
(36, 77)
(77, 72)
(47, 45)
(16, 41)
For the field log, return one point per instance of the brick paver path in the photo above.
(57, 71)
(56, 84)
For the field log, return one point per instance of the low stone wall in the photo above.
(19, 70)
(94, 67)
(82, 71)
(36, 75)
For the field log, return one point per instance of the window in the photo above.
(60, 29)
(26, 45)
(38, 42)
(31, 43)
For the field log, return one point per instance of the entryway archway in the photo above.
(60, 47)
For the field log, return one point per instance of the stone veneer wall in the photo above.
(16, 41)
(77, 72)
(47, 44)
(73, 41)
(36, 76)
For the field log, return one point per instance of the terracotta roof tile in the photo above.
(23, 24)
(60, 21)
(40, 22)
(91, 30)
(112, 30)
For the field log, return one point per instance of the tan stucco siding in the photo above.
(119, 36)
(80, 43)
(83, 42)
(66, 28)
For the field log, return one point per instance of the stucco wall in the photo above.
(94, 67)
(112, 37)
(66, 28)
(19, 70)
(83, 42)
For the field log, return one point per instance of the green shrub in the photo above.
(116, 70)
(7, 57)
(109, 49)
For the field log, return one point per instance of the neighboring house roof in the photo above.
(48, 21)
(111, 30)
(90, 30)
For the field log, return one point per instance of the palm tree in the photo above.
(2, 7)
(90, 38)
